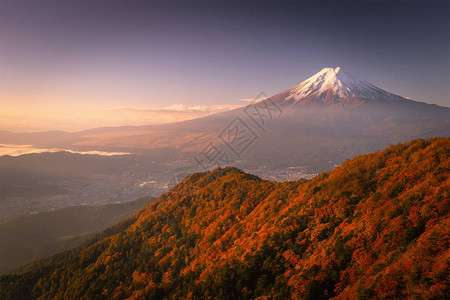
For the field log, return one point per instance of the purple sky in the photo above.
(57, 57)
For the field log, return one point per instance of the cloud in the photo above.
(16, 150)
(253, 100)
(181, 108)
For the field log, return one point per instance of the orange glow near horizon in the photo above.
(34, 117)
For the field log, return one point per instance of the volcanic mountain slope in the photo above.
(334, 116)
(378, 226)
(328, 118)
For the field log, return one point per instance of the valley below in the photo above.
(37, 191)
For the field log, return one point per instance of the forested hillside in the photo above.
(377, 226)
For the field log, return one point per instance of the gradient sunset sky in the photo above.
(73, 65)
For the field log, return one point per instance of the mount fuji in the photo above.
(317, 124)
(337, 84)
(335, 115)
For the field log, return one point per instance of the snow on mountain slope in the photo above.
(338, 84)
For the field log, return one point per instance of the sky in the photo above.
(74, 65)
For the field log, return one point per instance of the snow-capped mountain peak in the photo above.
(337, 83)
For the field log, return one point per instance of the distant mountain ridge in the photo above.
(377, 227)
(39, 235)
(328, 118)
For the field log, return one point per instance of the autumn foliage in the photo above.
(376, 227)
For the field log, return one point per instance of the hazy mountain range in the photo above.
(35, 236)
(321, 122)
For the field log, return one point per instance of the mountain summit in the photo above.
(337, 84)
